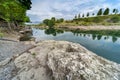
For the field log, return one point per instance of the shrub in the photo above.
(115, 19)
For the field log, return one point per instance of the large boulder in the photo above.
(62, 60)
(71, 61)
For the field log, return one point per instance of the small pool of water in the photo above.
(105, 46)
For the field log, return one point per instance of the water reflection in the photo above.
(103, 45)
(53, 31)
(114, 39)
(95, 36)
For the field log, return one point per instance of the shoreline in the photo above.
(102, 30)
(98, 27)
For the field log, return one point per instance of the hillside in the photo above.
(95, 20)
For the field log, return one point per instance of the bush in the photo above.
(115, 19)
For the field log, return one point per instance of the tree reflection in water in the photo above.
(96, 36)
(53, 31)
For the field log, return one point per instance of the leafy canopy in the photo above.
(14, 10)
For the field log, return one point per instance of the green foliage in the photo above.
(115, 19)
(60, 20)
(75, 17)
(46, 21)
(88, 14)
(100, 12)
(53, 19)
(26, 3)
(115, 11)
(83, 16)
(13, 11)
(106, 12)
(97, 19)
(49, 23)
(106, 19)
(26, 19)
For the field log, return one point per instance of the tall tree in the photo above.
(100, 12)
(88, 14)
(83, 15)
(115, 11)
(75, 17)
(78, 15)
(106, 12)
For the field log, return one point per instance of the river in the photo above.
(105, 46)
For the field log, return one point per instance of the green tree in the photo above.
(75, 17)
(26, 3)
(79, 16)
(12, 12)
(83, 16)
(53, 19)
(88, 14)
(49, 23)
(115, 11)
(106, 12)
(46, 21)
(100, 12)
(93, 14)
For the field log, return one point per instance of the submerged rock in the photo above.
(62, 60)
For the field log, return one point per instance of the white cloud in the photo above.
(42, 9)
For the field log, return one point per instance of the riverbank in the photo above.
(100, 30)
(90, 27)
(58, 60)
(23, 33)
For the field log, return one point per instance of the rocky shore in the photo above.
(58, 60)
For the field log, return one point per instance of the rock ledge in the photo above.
(62, 60)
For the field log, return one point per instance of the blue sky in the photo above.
(42, 9)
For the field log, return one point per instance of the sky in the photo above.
(67, 9)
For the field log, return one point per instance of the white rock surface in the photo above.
(62, 60)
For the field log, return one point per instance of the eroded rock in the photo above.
(62, 60)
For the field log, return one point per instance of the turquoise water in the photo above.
(105, 46)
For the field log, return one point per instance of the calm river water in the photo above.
(105, 46)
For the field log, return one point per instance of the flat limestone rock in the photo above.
(62, 60)
(71, 61)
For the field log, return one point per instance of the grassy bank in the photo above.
(106, 20)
